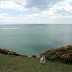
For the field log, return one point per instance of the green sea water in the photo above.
(34, 39)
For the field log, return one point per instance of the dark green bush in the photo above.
(63, 54)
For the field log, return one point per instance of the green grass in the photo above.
(26, 64)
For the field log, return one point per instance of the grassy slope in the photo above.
(25, 64)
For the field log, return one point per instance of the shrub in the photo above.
(63, 54)
(34, 56)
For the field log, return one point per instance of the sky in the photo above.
(35, 11)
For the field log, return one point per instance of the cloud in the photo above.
(41, 4)
(62, 8)
(36, 19)
(11, 5)
(16, 20)
(4, 15)
(37, 11)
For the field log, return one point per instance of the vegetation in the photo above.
(10, 63)
(63, 54)
(5, 51)
(34, 56)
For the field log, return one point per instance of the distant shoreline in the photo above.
(30, 24)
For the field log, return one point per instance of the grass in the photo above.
(26, 64)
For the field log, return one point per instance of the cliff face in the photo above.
(63, 54)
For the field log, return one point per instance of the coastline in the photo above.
(10, 61)
(62, 54)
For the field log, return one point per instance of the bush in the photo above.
(34, 56)
(63, 54)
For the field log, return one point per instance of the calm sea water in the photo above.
(34, 39)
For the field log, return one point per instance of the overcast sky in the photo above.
(35, 11)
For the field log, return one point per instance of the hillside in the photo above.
(62, 54)
(9, 63)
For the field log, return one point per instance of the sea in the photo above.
(33, 39)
